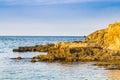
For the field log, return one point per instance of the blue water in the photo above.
(10, 69)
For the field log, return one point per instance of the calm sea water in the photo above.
(11, 69)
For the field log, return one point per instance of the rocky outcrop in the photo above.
(37, 48)
(102, 45)
(71, 54)
(108, 38)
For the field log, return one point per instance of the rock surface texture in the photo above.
(37, 48)
(108, 38)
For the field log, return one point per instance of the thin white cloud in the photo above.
(39, 2)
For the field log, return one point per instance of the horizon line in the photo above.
(38, 35)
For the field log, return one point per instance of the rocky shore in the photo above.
(102, 46)
(37, 48)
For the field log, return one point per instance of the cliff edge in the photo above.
(108, 38)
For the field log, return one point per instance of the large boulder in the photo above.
(108, 38)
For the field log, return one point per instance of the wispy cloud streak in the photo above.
(41, 2)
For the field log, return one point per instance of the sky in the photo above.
(56, 17)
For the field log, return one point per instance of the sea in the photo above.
(12, 69)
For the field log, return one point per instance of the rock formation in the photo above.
(37, 48)
(108, 38)
(102, 45)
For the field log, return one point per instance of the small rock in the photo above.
(18, 58)
(33, 60)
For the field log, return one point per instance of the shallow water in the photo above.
(11, 69)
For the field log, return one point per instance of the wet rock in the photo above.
(33, 60)
(18, 58)
(109, 65)
(15, 50)
(37, 48)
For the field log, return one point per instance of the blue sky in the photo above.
(56, 17)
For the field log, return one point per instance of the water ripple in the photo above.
(10, 69)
